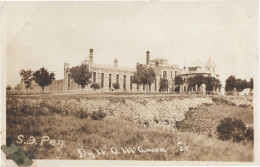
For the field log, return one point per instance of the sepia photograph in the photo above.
(135, 81)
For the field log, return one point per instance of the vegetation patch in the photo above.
(98, 115)
(223, 100)
(234, 129)
(244, 105)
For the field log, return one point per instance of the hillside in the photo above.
(134, 127)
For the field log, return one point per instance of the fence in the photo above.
(21, 92)
(79, 91)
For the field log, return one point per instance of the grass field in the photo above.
(120, 138)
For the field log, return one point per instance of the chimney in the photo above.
(147, 58)
(91, 55)
(115, 62)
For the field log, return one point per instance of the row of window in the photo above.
(117, 80)
(165, 74)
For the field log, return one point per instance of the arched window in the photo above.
(164, 74)
(155, 84)
(102, 80)
(94, 77)
(110, 80)
(131, 82)
(124, 84)
(117, 78)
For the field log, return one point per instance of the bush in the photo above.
(222, 100)
(95, 86)
(98, 115)
(244, 105)
(234, 129)
(81, 114)
(249, 135)
(116, 85)
(239, 130)
(225, 129)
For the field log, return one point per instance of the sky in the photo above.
(46, 34)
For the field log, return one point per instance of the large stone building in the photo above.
(198, 68)
(106, 75)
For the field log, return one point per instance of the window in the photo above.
(137, 86)
(131, 82)
(164, 74)
(110, 78)
(175, 73)
(184, 88)
(184, 80)
(117, 78)
(94, 77)
(171, 74)
(68, 80)
(143, 86)
(124, 84)
(102, 80)
(155, 84)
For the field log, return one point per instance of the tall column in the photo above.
(65, 82)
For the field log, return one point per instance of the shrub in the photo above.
(98, 115)
(225, 129)
(249, 135)
(116, 85)
(239, 130)
(95, 86)
(81, 114)
(244, 105)
(234, 129)
(223, 100)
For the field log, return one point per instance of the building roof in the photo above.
(111, 67)
(210, 62)
(158, 59)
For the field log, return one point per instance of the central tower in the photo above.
(91, 55)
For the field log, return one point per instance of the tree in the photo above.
(251, 83)
(209, 81)
(241, 85)
(199, 80)
(95, 86)
(163, 85)
(27, 77)
(116, 85)
(178, 81)
(8, 87)
(43, 78)
(144, 75)
(217, 84)
(81, 75)
(230, 83)
(191, 83)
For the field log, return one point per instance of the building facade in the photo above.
(198, 68)
(107, 75)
